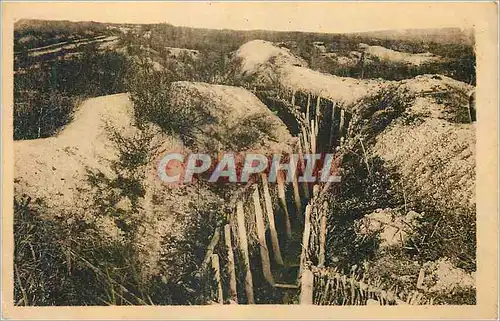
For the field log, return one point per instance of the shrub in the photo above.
(60, 262)
(41, 114)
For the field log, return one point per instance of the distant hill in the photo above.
(437, 35)
(35, 25)
(33, 33)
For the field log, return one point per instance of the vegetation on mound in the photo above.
(458, 62)
(47, 92)
(368, 184)
(438, 234)
(101, 256)
(69, 262)
(61, 262)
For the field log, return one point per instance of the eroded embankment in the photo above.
(405, 211)
(409, 185)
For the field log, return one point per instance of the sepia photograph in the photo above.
(176, 161)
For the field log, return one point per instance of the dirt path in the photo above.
(70, 44)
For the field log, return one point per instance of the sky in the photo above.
(289, 16)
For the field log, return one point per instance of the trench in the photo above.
(333, 124)
(321, 126)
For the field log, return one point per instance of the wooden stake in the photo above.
(270, 218)
(305, 138)
(420, 279)
(322, 237)
(306, 287)
(282, 198)
(216, 267)
(296, 196)
(317, 111)
(244, 249)
(341, 126)
(261, 233)
(233, 293)
(303, 167)
(308, 116)
(305, 238)
(210, 249)
(313, 137)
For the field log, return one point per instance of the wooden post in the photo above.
(310, 136)
(420, 279)
(303, 167)
(306, 287)
(216, 267)
(308, 107)
(270, 218)
(305, 137)
(322, 237)
(317, 111)
(210, 249)
(305, 238)
(282, 198)
(233, 293)
(244, 249)
(341, 126)
(299, 145)
(316, 128)
(261, 233)
(313, 137)
(296, 196)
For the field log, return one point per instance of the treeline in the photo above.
(219, 40)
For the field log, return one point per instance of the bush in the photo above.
(362, 191)
(42, 114)
(150, 93)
